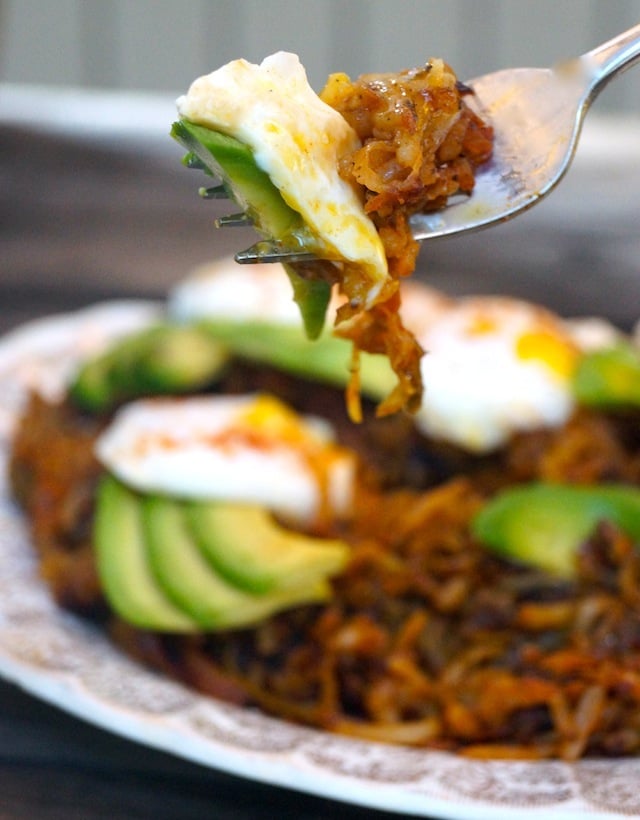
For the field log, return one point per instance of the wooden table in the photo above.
(53, 767)
(81, 222)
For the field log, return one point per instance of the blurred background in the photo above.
(94, 201)
(161, 45)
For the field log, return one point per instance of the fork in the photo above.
(537, 116)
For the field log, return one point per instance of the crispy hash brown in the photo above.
(428, 640)
(421, 145)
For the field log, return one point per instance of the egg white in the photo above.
(297, 139)
(238, 293)
(249, 449)
(494, 367)
(593, 333)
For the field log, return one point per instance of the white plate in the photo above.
(66, 662)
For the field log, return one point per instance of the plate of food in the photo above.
(376, 543)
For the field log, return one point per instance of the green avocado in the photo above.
(173, 359)
(127, 580)
(252, 551)
(186, 576)
(544, 524)
(179, 358)
(233, 162)
(287, 348)
(609, 377)
(163, 359)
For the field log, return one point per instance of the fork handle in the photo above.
(612, 57)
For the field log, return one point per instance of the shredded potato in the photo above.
(421, 145)
(428, 640)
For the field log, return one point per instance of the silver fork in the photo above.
(537, 116)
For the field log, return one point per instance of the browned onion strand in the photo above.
(421, 144)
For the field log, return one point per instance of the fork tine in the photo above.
(233, 221)
(193, 162)
(268, 250)
(216, 192)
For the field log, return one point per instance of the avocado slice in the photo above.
(172, 359)
(234, 163)
(182, 571)
(609, 377)
(179, 358)
(544, 524)
(252, 551)
(286, 347)
(163, 359)
(127, 580)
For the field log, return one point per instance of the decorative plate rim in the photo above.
(69, 664)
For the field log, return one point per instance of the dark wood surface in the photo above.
(54, 767)
(83, 222)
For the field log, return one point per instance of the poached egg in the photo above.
(238, 293)
(247, 449)
(493, 367)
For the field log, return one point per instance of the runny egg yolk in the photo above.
(544, 342)
(553, 350)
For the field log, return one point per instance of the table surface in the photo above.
(83, 222)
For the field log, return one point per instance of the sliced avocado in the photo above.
(252, 551)
(161, 359)
(179, 358)
(545, 524)
(609, 377)
(234, 163)
(287, 348)
(312, 296)
(91, 390)
(127, 580)
(187, 577)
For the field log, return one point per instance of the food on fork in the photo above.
(335, 177)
